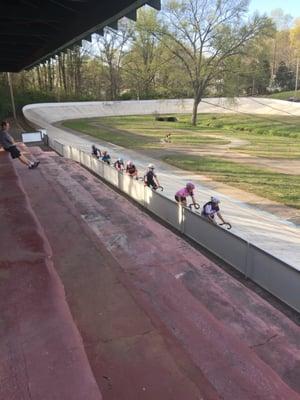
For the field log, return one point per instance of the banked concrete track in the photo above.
(269, 232)
(154, 317)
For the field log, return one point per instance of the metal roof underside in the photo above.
(32, 31)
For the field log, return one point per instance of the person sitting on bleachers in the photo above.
(9, 145)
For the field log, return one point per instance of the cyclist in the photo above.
(131, 169)
(106, 157)
(183, 193)
(150, 178)
(119, 164)
(96, 152)
(211, 208)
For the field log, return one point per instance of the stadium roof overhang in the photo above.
(33, 31)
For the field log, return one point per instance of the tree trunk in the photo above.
(39, 78)
(63, 72)
(195, 110)
(50, 77)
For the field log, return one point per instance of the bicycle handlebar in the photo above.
(226, 224)
(196, 205)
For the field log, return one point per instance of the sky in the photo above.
(291, 7)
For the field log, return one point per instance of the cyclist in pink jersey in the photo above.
(183, 193)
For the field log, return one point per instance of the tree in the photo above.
(280, 43)
(295, 42)
(284, 77)
(295, 37)
(204, 34)
(112, 47)
(146, 58)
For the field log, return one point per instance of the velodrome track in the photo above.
(269, 232)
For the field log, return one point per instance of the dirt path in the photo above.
(227, 151)
(291, 167)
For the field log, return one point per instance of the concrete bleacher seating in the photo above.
(145, 314)
(41, 352)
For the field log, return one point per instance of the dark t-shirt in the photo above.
(6, 141)
(149, 177)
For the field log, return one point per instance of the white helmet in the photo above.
(129, 162)
(214, 200)
(120, 160)
(151, 166)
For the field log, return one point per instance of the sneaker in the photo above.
(34, 165)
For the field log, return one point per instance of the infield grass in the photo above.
(265, 136)
(282, 188)
(262, 136)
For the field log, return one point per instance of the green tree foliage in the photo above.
(191, 49)
(203, 35)
(146, 58)
(112, 47)
(284, 78)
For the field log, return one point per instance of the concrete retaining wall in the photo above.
(48, 113)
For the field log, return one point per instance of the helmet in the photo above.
(129, 162)
(151, 166)
(214, 200)
(190, 186)
(120, 160)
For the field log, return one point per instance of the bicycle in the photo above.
(161, 188)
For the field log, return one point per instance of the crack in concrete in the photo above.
(265, 342)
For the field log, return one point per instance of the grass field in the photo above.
(278, 187)
(264, 136)
(271, 137)
(285, 95)
(141, 132)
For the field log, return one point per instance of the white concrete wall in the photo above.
(54, 112)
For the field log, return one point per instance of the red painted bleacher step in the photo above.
(148, 331)
(41, 352)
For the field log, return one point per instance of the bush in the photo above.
(166, 119)
(127, 96)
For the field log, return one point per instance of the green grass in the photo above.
(142, 132)
(271, 137)
(268, 136)
(284, 95)
(278, 187)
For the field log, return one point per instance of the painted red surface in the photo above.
(158, 319)
(41, 353)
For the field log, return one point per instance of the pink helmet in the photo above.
(190, 186)
(129, 162)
